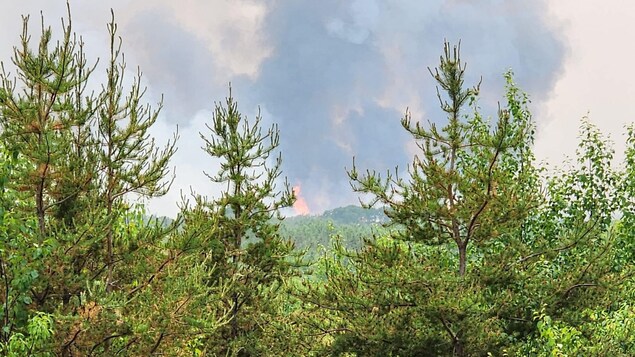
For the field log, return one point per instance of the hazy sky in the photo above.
(337, 75)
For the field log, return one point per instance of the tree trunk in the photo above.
(109, 230)
(235, 327)
(458, 344)
(462, 259)
(237, 211)
(39, 202)
(458, 351)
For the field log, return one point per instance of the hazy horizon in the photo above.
(336, 76)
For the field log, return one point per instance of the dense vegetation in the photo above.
(349, 225)
(479, 252)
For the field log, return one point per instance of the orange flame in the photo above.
(300, 206)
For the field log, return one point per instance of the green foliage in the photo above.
(355, 215)
(73, 249)
(44, 115)
(39, 332)
(472, 198)
(20, 261)
(605, 334)
(129, 161)
(465, 191)
(455, 186)
(352, 224)
(481, 253)
(244, 246)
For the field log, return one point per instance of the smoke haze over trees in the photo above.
(471, 249)
(334, 75)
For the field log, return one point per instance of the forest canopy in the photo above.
(473, 250)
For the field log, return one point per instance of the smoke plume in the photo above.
(335, 75)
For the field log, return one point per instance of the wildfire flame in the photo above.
(300, 206)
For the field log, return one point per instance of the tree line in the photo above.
(484, 251)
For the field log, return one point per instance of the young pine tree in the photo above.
(246, 245)
(129, 160)
(483, 253)
(471, 182)
(456, 183)
(45, 117)
(81, 156)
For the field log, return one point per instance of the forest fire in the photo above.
(300, 206)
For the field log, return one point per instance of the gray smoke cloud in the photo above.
(335, 75)
(343, 73)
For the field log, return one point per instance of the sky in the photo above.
(337, 76)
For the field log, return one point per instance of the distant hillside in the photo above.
(355, 214)
(351, 223)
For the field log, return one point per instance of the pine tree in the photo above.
(81, 158)
(453, 185)
(45, 116)
(484, 253)
(246, 246)
(129, 160)
(467, 186)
